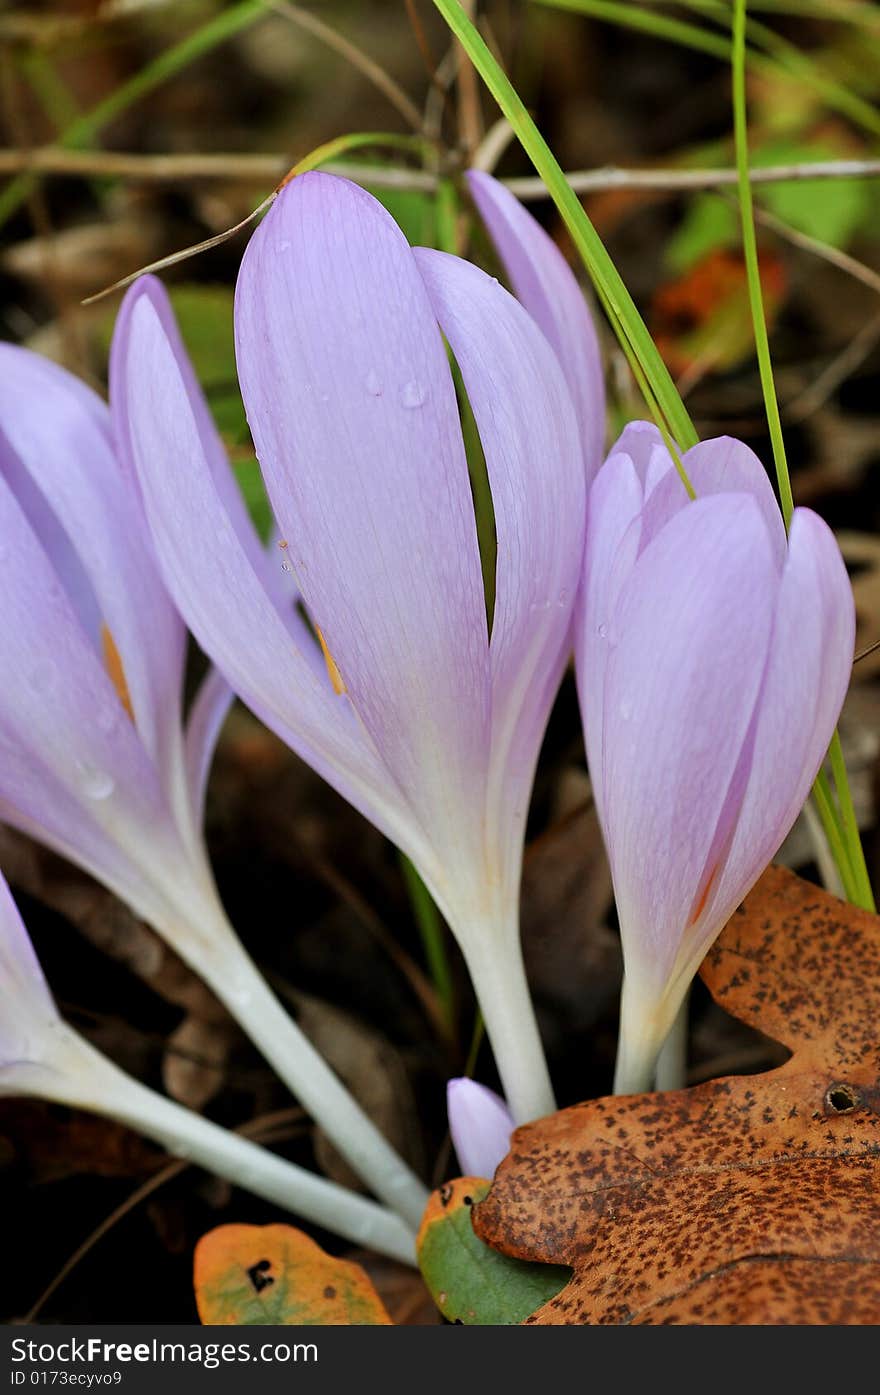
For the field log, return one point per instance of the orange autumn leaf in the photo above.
(751, 1199)
(703, 317)
(275, 1274)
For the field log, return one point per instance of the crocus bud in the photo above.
(480, 1124)
(713, 656)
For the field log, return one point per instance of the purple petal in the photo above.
(480, 1124)
(689, 642)
(72, 769)
(529, 436)
(610, 552)
(353, 412)
(718, 466)
(207, 715)
(60, 431)
(276, 670)
(212, 446)
(24, 994)
(808, 672)
(547, 287)
(643, 443)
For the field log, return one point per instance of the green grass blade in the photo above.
(851, 859)
(775, 58)
(616, 300)
(434, 945)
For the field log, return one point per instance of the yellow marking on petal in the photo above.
(704, 897)
(335, 675)
(113, 665)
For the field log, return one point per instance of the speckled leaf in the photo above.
(751, 1199)
(265, 1274)
(471, 1283)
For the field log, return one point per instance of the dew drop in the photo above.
(373, 383)
(602, 632)
(412, 394)
(95, 783)
(283, 246)
(286, 567)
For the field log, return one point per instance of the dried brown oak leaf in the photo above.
(751, 1199)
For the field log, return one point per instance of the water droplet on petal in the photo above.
(286, 567)
(412, 394)
(373, 383)
(602, 632)
(94, 783)
(625, 711)
(284, 246)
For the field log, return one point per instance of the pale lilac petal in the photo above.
(261, 559)
(209, 573)
(56, 542)
(529, 436)
(808, 672)
(23, 989)
(689, 642)
(719, 466)
(644, 444)
(206, 717)
(610, 552)
(72, 769)
(60, 431)
(547, 287)
(480, 1124)
(353, 412)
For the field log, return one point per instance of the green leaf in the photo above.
(710, 223)
(471, 1283)
(831, 210)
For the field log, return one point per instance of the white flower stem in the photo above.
(234, 977)
(498, 975)
(644, 1025)
(87, 1079)
(671, 1073)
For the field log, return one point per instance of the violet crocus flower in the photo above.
(545, 284)
(41, 1056)
(480, 1124)
(94, 757)
(426, 724)
(713, 657)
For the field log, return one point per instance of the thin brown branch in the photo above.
(842, 260)
(671, 180)
(169, 169)
(371, 70)
(841, 367)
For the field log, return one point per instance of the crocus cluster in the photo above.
(95, 758)
(712, 650)
(422, 718)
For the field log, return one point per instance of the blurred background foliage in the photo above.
(132, 129)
